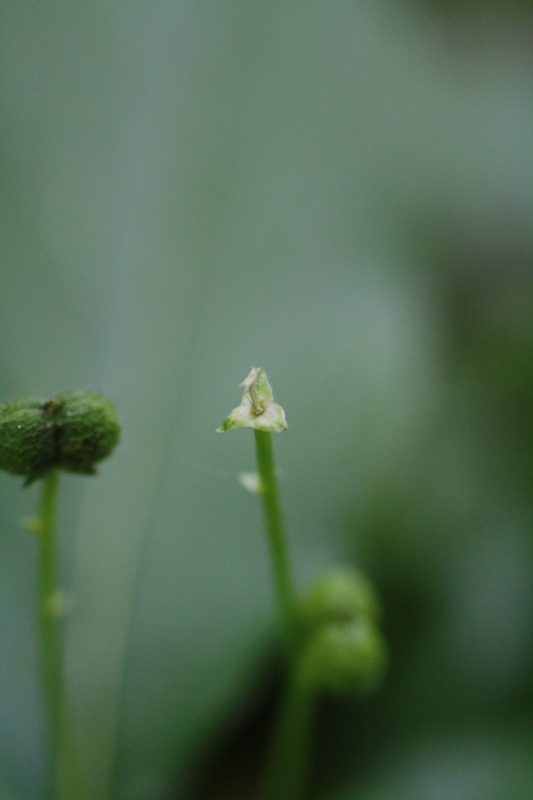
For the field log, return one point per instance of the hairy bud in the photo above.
(73, 431)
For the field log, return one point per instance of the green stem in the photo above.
(49, 647)
(64, 779)
(285, 778)
(276, 540)
(286, 772)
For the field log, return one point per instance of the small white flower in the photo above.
(257, 409)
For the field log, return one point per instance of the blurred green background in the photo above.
(340, 192)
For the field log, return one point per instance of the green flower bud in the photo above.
(73, 431)
(338, 595)
(344, 658)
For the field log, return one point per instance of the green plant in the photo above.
(331, 637)
(73, 431)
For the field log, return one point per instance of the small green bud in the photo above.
(344, 658)
(33, 525)
(338, 595)
(73, 431)
(257, 409)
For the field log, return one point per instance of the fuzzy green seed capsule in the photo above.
(73, 431)
(338, 595)
(344, 658)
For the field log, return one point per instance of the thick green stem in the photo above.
(49, 645)
(276, 539)
(288, 761)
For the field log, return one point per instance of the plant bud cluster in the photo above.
(343, 648)
(72, 431)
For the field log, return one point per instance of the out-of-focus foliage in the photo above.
(341, 193)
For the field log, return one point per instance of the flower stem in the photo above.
(286, 771)
(288, 759)
(49, 646)
(276, 540)
(64, 776)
